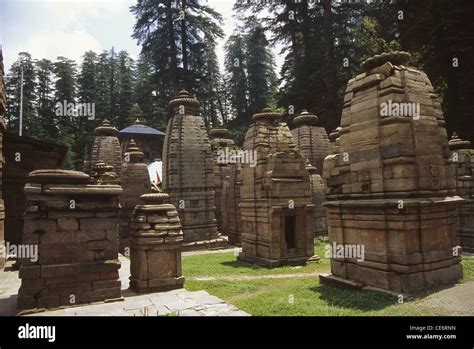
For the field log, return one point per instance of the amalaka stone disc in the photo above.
(56, 176)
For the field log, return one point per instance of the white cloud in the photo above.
(60, 43)
(52, 28)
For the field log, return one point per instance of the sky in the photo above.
(52, 28)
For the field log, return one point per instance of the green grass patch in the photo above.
(306, 297)
(303, 296)
(468, 268)
(222, 264)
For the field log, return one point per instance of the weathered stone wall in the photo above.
(105, 147)
(77, 241)
(2, 130)
(220, 143)
(390, 187)
(463, 159)
(135, 182)
(231, 219)
(187, 170)
(276, 203)
(312, 140)
(155, 245)
(318, 190)
(23, 155)
(314, 145)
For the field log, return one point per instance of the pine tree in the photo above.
(235, 61)
(13, 83)
(124, 89)
(47, 125)
(261, 75)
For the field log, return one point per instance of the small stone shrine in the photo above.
(74, 226)
(463, 159)
(312, 140)
(318, 189)
(106, 148)
(222, 147)
(231, 220)
(135, 182)
(155, 245)
(276, 203)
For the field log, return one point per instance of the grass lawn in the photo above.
(221, 264)
(299, 296)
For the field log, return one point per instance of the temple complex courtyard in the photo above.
(217, 284)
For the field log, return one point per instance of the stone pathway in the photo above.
(172, 303)
(456, 300)
(223, 250)
(257, 277)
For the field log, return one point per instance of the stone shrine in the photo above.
(188, 172)
(231, 219)
(312, 140)
(390, 188)
(135, 182)
(155, 245)
(276, 203)
(463, 160)
(318, 190)
(221, 145)
(74, 225)
(106, 148)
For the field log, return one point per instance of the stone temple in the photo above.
(318, 190)
(221, 144)
(276, 202)
(106, 148)
(463, 160)
(231, 218)
(314, 145)
(391, 188)
(155, 245)
(135, 182)
(312, 140)
(74, 224)
(188, 175)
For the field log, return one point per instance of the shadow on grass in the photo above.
(354, 299)
(240, 264)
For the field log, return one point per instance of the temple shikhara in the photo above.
(391, 185)
(188, 176)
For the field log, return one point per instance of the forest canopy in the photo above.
(320, 44)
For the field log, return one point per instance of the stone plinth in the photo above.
(106, 148)
(391, 187)
(74, 225)
(231, 220)
(276, 204)
(312, 140)
(155, 245)
(463, 160)
(188, 172)
(135, 182)
(221, 145)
